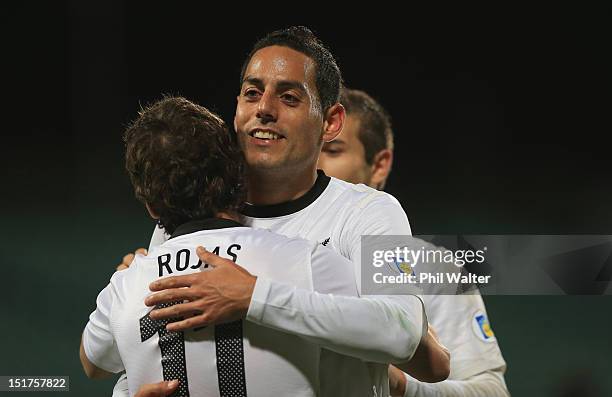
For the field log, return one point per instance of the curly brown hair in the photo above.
(184, 162)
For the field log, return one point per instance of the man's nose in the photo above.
(266, 109)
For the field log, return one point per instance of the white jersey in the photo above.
(224, 360)
(336, 214)
(339, 214)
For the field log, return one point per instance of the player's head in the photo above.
(183, 162)
(288, 101)
(363, 153)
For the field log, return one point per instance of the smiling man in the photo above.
(287, 108)
(281, 123)
(187, 170)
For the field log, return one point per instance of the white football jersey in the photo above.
(336, 214)
(223, 360)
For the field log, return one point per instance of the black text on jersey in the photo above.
(182, 259)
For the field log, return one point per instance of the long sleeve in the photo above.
(98, 340)
(490, 383)
(477, 365)
(342, 324)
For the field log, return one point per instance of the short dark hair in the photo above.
(183, 162)
(301, 39)
(375, 132)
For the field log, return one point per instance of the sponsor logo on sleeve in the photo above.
(482, 327)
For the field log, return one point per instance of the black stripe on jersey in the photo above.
(172, 347)
(204, 224)
(289, 207)
(230, 359)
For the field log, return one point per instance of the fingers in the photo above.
(129, 258)
(172, 282)
(160, 389)
(216, 261)
(212, 259)
(171, 295)
(200, 320)
(181, 310)
(125, 262)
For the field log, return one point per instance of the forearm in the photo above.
(379, 330)
(430, 362)
(489, 383)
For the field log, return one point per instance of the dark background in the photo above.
(501, 117)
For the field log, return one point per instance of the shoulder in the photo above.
(124, 280)
(272, 243)
(361, 196)
(370, 211)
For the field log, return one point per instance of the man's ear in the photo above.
(381, 168)
(151, 212)
(333, 122)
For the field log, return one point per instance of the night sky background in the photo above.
(501, 117)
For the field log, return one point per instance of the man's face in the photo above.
(344, 157)
(278, 117)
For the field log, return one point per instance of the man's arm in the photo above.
(369, 329)
(431, 360)
(379, 214)
(477, 364)
(385, 217)
(98, 350)
(90, 369)
(358, 327)
(489, 383)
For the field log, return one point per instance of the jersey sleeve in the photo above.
(463, 326)
(379, 213)
(490, 383)
(477, 366)
(344, 324)
(98, 340)
(461, 322)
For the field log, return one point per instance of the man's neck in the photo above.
(266, 188)
(231, 215)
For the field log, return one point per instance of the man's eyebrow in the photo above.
(336, 141)
(289, 84)
(280, 86)
(253, 80)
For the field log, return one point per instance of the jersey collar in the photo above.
(204, 224)
(289, 207)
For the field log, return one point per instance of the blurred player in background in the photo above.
(363, 153)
